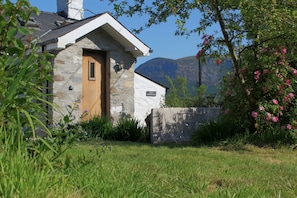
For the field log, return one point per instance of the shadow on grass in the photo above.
(234, 147)
(223, 146)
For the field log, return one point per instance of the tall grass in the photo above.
(125, 169)
(22, 175)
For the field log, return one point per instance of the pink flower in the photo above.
(274, 119)
(294, 72)
(287, 99)
(288, 82)
(281, 108)
(205, 42)
(289, 126)
(261, 108)
(275, 101)
(254, 114)
(257, 75)
(283, 51)
(218, 62)
(198, 53)
(257, 72)
(204, 36)
(268, 116)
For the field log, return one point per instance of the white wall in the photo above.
(143, 104)
(73, 8)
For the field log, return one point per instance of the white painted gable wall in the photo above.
(143, 104)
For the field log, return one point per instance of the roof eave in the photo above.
(131, 43)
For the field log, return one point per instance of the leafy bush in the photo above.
(125, 130)
(24, 72)
(216, 131)
(97, 127)
(273, 137)
(128, 130)
(179, 95)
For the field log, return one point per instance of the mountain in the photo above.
(187, 67)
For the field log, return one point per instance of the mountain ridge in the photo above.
(187, 67)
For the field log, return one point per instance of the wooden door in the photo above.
(94, 84)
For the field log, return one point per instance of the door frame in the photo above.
(105, 111)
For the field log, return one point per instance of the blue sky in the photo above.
(160, 38)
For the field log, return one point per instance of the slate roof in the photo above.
(56, 31)
(52, 25)
(45, 21)
(59, 30)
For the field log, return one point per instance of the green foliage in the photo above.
(264, 83)
(259, 37)
(24, 75)
(97, 127)
(128, 130)
(180, 96)
(217, 131)
(25, 72)
(125, 129)
(21, 176)
(272, 136)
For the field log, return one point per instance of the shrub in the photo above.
(97, 127)
(273, 137)
(216, 131)
(128, 130)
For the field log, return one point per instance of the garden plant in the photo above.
(71, 160)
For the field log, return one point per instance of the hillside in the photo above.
(187, 67)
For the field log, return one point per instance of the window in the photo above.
(92, 71)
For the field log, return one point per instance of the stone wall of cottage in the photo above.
(67, 85)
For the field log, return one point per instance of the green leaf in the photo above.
(30, 122)
(19, 44)
(23, 30)
(48, 146)
(12, 89)
(12, 32)
(13, 50)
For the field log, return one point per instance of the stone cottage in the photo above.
(93, 68)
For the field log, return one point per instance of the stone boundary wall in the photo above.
(178, 124)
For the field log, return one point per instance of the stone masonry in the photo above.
(67, 75)
(178, 124)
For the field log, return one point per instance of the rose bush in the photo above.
(271, 83)
(268, 103)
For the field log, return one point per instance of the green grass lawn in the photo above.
(143, 170)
